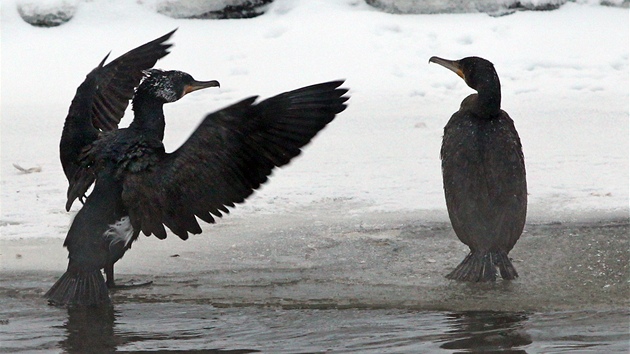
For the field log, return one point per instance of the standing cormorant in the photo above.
(484, 174)
(138, 187)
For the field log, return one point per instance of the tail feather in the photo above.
(480, 267)
(78, 288)
(508, 272)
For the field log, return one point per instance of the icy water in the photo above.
(193, 327)
(375, 286)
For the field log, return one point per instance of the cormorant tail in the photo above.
(479, 267)
(80, 289)
(507, 270)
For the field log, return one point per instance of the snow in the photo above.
(564, 75)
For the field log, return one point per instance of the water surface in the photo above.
(193, 327)
(375, 286)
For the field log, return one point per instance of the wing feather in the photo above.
(100, 103)
(230, 154)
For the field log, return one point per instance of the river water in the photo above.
(197, 327)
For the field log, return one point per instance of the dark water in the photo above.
(29, 325)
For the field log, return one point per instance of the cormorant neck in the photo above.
(148, 116)
(488, 103)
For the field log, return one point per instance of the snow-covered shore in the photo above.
(564, 76)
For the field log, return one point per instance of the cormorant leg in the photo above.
(109, 273)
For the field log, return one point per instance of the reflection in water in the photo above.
(89, 330)
(171, 327)
(181, 328)
(484, 331)
(93, 330)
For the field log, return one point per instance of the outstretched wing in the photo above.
(101, 101)
(228, 156)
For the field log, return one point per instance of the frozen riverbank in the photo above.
(377, 261)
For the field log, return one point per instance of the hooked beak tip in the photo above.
(198, 85)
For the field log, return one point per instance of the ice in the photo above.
(565, 86)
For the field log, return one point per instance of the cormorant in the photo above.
(484, 174)
(139, 187)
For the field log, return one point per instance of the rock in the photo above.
(219, 9)
(458, 6)
(47, 13)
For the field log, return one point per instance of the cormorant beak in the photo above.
(452, 65)
(198, 85)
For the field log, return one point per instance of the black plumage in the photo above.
(101, 100)
(138, 187)
(483, 170)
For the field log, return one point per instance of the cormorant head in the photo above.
(476, 72)
(170, 86)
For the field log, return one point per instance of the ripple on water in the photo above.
(30, 325)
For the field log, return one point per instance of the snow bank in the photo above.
(565, 86)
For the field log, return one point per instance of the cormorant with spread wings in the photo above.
(139, 187)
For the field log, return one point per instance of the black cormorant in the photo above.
(138, 187)
(484, 174)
